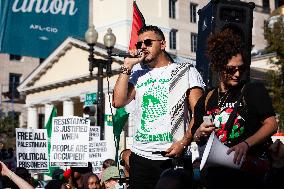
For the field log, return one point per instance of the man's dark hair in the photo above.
(108, 162)
(54, 184)
(154, 29)
(174, 179)
(83, 170)
(57, 174)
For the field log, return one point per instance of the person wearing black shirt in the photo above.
(249, 133)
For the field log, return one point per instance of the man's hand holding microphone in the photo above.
(134, 57)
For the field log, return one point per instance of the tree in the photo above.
(7, 130)
(274, 34)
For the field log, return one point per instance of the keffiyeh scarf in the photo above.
(178, 107)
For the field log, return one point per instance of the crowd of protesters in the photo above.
(111, 177)
(72, 178)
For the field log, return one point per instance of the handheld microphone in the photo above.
(127, 54)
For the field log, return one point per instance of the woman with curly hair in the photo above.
(242, 115)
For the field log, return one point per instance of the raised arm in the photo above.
(21, 183)
(124, 91)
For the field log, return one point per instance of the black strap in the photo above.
(230, 122)
(208, 96)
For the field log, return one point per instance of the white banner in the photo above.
(98, 149)
(70, 141)
(31, 149)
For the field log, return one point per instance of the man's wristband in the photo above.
(124, 70)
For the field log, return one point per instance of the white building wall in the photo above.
(118, 16)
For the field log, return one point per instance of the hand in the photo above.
(241, 150)
(203, 131)
(176, 149)
(4, 169)
(131, 61)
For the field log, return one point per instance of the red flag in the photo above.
(137, 23)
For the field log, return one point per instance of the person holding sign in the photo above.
(162, 91)
(21, 183)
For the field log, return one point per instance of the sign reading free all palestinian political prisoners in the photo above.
(31, 149)
(69, 141)
(42, 24)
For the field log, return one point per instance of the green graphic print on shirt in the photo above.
(154, 106)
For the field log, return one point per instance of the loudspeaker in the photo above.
(216, 16)
(215, 153)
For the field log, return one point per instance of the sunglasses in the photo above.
(147, 43)
(233, 69)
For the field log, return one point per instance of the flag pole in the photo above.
(121, 116)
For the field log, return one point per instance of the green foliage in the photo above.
(7, 130)
(275, 79)
(8, 124)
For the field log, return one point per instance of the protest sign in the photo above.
(31, 149)
(70, 141)
(98, 149)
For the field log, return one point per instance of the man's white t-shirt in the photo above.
(152, 112)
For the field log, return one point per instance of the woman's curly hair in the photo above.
(222, 46)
